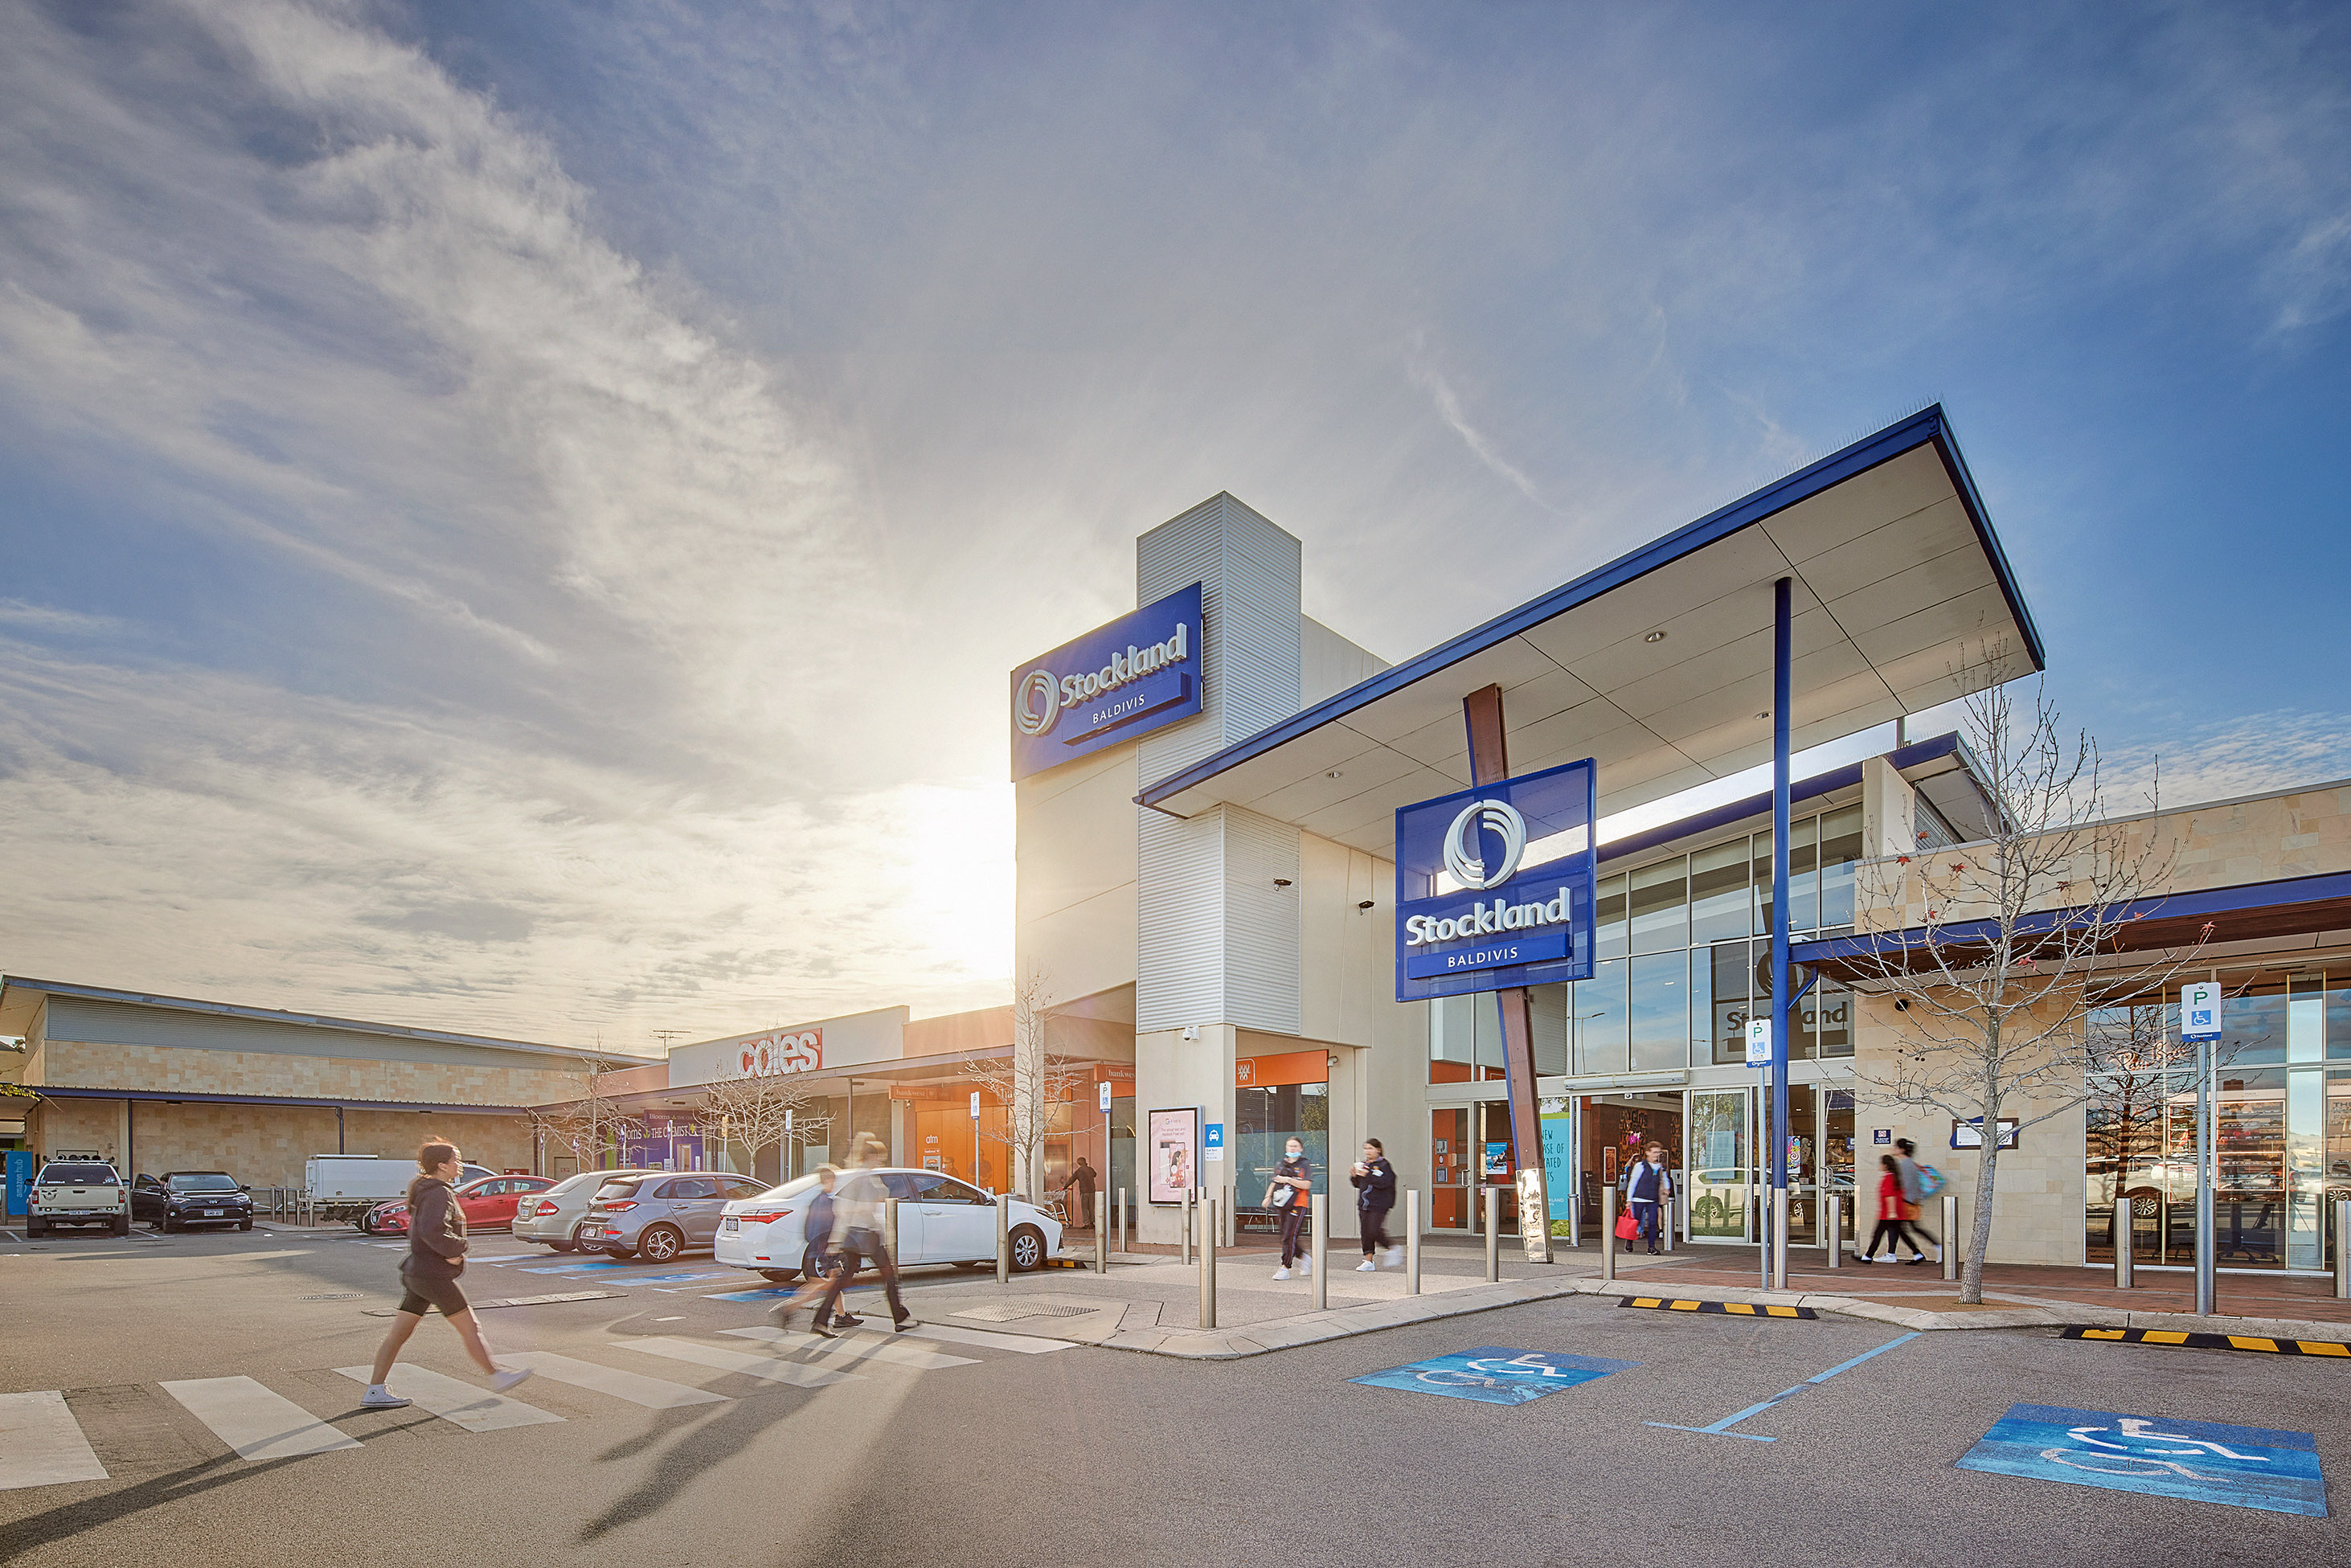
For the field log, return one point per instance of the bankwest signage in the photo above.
(1115, 683)
(1494, 886)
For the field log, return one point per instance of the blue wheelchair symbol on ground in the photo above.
(1495, 1374)
(2201, 1462)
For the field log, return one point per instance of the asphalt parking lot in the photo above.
(654, 1428)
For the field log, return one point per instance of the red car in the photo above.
(487, 1204)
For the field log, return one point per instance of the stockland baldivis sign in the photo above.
(1115, 683)
(1494, 885)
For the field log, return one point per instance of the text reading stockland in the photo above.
(1494, 885)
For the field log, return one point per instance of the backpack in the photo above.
(1930, 1182)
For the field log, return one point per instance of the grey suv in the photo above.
(660, 1214)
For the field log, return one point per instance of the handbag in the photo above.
(1628, 1228)
(1910, 1214)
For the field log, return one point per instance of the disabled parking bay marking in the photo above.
(1495, 1374)
(768, 1294)
(1723, 1428)
(2200, 1461)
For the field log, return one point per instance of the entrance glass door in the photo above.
(1721, 1166)
(1451, 1165)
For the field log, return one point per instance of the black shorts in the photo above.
(422, 1293)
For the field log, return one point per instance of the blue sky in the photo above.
(515, 517)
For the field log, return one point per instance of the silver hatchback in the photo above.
(660, 1213)
(552, 1217)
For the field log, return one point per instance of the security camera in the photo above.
(1191, 1031)
(1365, 905)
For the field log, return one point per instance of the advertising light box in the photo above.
(1117, 682)
(1494, 885)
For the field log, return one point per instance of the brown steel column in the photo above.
(1489, 763)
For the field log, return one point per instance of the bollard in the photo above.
(889, 1227)
(1666, 1216)
(1232, 1217)
(2343, 1249)
(2123, 1259)
(1779, 1238)
(1608, 1233)
(1832, 1230)
(1951, 1223)
(1493, 1234)
(1102, 1241)
(1186, 1241)
(1318, 1253)
(1208, 1264)
(1121, 1220)
(1574, 1217)
(1412, 1239)
(1003, 1238)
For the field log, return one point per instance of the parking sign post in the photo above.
(2199, 1021)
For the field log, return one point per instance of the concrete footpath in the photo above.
(1150, 1304)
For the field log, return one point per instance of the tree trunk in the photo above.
(1979, 1240)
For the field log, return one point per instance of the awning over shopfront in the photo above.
(1659, 664)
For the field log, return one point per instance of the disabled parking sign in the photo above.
(1495, 1374)
(2200, 1462)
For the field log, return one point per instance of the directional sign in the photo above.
(2201, 1462)
(1214, 1148)
(2200, 1010)
(1495, 1374)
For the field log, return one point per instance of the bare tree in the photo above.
(582, 1127)
(1029, 1085)
(760, 1111)
(2013, 941)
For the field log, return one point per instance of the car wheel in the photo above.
(33, 1228)
(166, 1225)
(1027, 1249)
(245, 1225)
(660, 1243)
(779, 1276)
(564, 1245)
(366, 1223)
(122, 1226)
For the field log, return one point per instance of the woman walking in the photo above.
(1290, 1194)
(1890, 1229)
(1374, 1181)
(428, 1275)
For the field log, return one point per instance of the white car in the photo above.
(940, 1220)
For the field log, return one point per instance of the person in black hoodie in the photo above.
(428, 1276)
(1374, 1181)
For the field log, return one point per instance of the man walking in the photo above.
(1648, 1188)
(1084, 1178)
(857, 1234)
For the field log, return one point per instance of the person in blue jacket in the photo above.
(1648, 1187)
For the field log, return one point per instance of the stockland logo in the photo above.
(1462, 860)
(1042, 696)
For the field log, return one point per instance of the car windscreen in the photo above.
(792, 1188)
(617, 1189)
(200, 1181)
(75, 1176)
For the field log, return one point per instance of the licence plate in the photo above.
(212, 1214)
(730, 1223)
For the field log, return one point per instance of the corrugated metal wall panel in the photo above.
(1179, 921)
(1262, 973)
(1248, 571)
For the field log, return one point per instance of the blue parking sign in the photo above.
(2199, 1461)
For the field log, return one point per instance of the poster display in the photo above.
(1174, 1138)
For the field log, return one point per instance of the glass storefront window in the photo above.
(1759, 867)
(1265, 1120)
(1840, 848)
(1718, 879)
(1733, 979)
(2253, 1029)
(1660, 906)
(1547, 1008)
(1599, 1018)
(1827, 1023)
(1803, 882)
(1465, 1040)
(1608, 918)
(2339, 1025)
(1659, 1012)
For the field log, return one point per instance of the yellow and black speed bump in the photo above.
(2187, 1340)
(1733, 1309)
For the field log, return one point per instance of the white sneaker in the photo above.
(1306, 1265)
(1365, 1267)
(505, 1380)
(382, 1399)
(1396, 1257)
(1281, 1273)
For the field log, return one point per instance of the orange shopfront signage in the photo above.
(1290, 1067)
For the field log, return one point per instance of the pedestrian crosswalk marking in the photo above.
(766, 1367)
(41, 1443)
(856, 1347)
(1027, 1344)
(255, 1422)
(468, 1404)
(652, 1393)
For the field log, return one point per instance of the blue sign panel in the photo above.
(20, 1181)
(1117, 682)
(1495, 1374)
(2201, 1462)
(1494, 885)
(1216, 1136)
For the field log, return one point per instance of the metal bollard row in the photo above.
(1493, 1234)
(1412, 1240)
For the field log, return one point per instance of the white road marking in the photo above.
(1027, 1344)
(855, 1347)
(652, 1393)
(475, 1408)
(669, 1320)
(41, 1443)
(255, 1422)
(766, 1367)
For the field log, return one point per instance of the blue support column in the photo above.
(1781, 595)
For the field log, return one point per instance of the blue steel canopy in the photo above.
(1900, 590)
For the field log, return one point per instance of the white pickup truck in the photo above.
(78, 1192)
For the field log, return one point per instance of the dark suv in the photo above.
(177, 1198)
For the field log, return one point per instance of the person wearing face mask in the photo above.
(1287, 1195)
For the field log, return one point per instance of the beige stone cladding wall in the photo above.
(82, 1126)
(264, 1145)
(2037, 1201)
(163, 1069)
(501, 1143)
